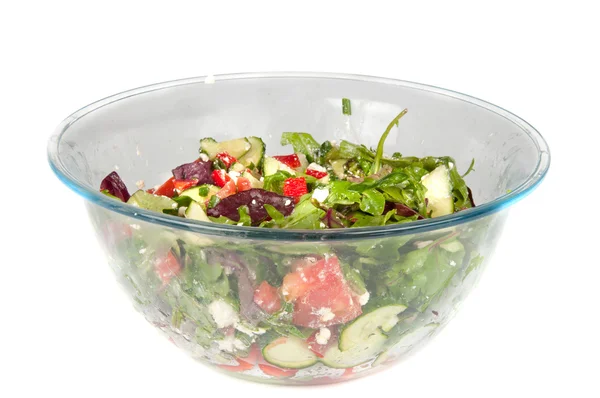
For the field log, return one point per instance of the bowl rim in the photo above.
(206, 228)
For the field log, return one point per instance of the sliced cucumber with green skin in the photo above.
(356, 333)
(338, 168)
(289, 352)
(272, 166)
(256, 153)
(254, 182)
(357, 355)
(236, 148)
(196, 212)
(152, 202)
(439, 192)
(201, 193)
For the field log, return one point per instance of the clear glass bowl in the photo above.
(146, 132)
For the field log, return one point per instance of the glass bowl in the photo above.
(415, 275)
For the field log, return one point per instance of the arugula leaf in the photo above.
(277, 217)
(302, 143)
(366, 220)
(470, 169)
(274, 182)
(373, 202)
(305, 216)
(340, 195)
(379, 154)
(392, 179)
(349, 150)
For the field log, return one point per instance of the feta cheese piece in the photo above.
(230, 344)
(364, 299)
(234, 175)
(316, 167)
(204, 157)
(320, 194)
(140, 184)
(325, 314)
(223, 313)
(323, 336)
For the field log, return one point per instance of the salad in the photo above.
(297, 309)
(318, 186)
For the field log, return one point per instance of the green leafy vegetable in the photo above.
(302, 143)
(379, 154)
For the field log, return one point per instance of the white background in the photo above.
(529, 329)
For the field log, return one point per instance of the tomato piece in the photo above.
(182, 185)
(241, 367)
(220, 177)
(295, 187)
(316, 173)
(328, 305)
(267, 298)
(226, 158)
(320, 294)
(243, 184)
(291, 161)
(227, 190)
(167, 188)
(151, 190)
(277, 372)
(167, 267)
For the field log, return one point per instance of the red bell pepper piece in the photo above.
(295, 187)
(289, 160)
(226, 158)
(277, 372)
(316, 173)
(227, 190)
(220, 177)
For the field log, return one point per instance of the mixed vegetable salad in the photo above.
(283, 307)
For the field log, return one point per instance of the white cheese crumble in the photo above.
(234, 175)
(317, 167)
(223, 314)
(364, 299)
(174, 205)
(204, 157)
(140, 184)
(451, 165)
(181, 211)
(287, 202)
(325, 314)
(116, 167)
(142, 250)
(253, 201)
(210, 79)
(323, 335)
(230, 343)
(135, 226)
(453, 263)
(320, 194)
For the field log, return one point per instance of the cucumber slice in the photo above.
(272, 165)
(196, 212)
(338, 168)
(356, 333)
(256, 153)
(254, 182)
(289, 352)
(152, 202)
(439, 192)
(236, 148)
(369, 348)
(201, 193)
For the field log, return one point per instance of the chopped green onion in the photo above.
(346, 107)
